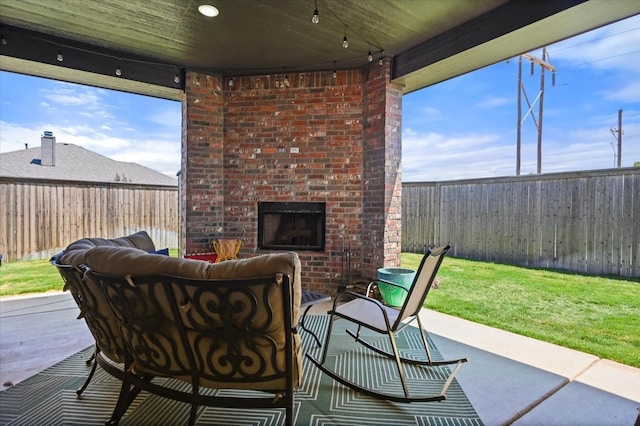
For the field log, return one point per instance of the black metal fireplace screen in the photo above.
(291, 226)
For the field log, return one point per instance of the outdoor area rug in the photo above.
(49, 397)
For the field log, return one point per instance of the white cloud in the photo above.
(626, 91)
(13, 137)
(434, 156)
(71, 94)
(158, 154)
(606, 48)
(166, 117)
(90, 102)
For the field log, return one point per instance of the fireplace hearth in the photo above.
(291, 226)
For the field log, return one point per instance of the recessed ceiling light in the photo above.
(208, 10)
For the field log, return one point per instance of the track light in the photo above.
(315, 18)
(59, 57)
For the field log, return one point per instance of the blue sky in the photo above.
(466, 127)
(461, 128)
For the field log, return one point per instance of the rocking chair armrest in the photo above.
(342, 294)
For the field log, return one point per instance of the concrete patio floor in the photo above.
(509, 379)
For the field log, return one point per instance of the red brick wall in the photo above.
(201, 181)
(244, 156)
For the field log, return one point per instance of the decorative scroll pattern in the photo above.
(204, 331)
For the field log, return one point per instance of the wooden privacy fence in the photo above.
(587, 222)
(40, 218)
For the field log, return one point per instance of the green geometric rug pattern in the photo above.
(49, 397)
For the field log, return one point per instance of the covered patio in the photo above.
(275, 109)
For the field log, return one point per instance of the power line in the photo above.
(608, 57)
(594, 40)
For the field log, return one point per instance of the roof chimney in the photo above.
(48, 149)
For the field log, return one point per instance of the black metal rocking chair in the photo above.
(368, 312)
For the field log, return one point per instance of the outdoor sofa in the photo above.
(228, 325)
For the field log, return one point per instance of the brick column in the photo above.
(381, 243)
(202, 173)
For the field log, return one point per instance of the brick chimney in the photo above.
(48, 149)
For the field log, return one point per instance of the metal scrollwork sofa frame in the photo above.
(230, 325)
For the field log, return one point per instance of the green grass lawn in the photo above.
(30, 276)
(597, 315)
(33, 276)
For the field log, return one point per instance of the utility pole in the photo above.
(619, 132)
(544, 65)
(518, 141)
(620, 138)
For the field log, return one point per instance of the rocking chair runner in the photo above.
(368, 312)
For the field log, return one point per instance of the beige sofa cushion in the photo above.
(75, 253)
(123, 261)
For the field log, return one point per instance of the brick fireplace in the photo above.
(312, 140)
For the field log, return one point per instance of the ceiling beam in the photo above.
(584, 16)
(493, 24)
(36, 47)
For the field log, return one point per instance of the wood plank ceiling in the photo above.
(152, 41)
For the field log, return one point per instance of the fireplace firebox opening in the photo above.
(291, 226)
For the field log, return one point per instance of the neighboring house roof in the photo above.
(75, 163)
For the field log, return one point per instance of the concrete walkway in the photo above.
(509, 379)
(36, 332)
